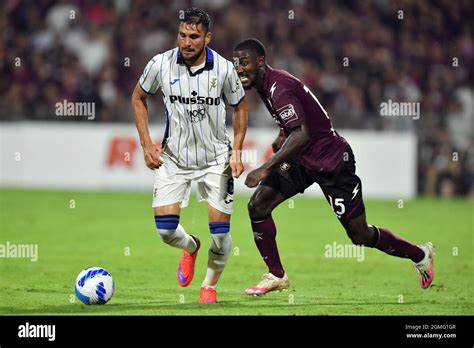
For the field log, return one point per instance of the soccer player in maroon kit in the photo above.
(308, 150)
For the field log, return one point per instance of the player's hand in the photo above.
(236, 165)
(256, 176)
(152, 153)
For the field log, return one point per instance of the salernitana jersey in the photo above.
(292, 104)
(195, 134)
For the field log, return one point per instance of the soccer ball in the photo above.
(94, 285)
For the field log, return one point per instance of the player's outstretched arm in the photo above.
(297, 139)
(152, 152)
(240, 128)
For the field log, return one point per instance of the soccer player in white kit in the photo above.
(193, 80)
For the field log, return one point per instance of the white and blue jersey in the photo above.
(195, 134)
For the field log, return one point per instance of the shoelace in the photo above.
(266, 280)
(422, 271)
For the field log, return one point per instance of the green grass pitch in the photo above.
(116, 231)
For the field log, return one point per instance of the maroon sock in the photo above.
(392, 244)
(264, 235)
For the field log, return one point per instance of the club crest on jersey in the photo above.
(213, 83)
(287, 113)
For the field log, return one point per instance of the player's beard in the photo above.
(190, 61)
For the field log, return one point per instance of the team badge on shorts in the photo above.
(285, 166)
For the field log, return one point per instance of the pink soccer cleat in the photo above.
(425, 266)
(207, 295)
(186, 266)
(269, 283)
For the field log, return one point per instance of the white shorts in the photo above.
(214, 185)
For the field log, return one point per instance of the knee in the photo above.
(257, 210)
(166, 235)
(221, 243)
(359, 235)
(220, 235)
(219, 251)
(166, 226)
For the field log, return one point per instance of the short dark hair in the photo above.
(252, 45)
(196, 15)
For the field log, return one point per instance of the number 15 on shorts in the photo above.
(337, 206)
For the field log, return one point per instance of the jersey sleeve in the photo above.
(150, 80)
(288, 106)
(233, 90)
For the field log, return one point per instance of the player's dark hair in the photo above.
(196, 15)
(252, 45)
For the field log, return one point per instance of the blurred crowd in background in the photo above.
(354, 55)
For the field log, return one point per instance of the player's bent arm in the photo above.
(297, 139)
(240, 128)
(140, 113)
(151, 151)
(278, 142)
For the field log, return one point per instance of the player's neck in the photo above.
(260, 79)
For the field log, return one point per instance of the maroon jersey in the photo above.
(292, 104)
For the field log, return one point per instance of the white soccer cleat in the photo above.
(269, 283)
(425, 266)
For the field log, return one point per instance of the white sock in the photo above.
(178, 238)
(217, 258)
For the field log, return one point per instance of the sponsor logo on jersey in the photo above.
(237, 84)
(287, 113)
(196, 115)
(194, 99)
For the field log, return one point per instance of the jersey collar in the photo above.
(208, 66)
